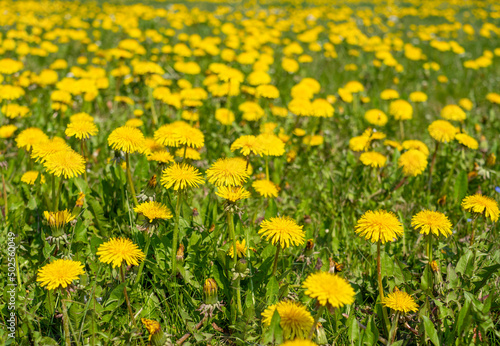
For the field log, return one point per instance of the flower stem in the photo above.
(433, 161)
(275, 265)
(429, 257)
(152, 105)
(473, 229)
(82, 147)
(267, 167)
(316, 320)
(394, 328)
(148, 242)
(232, 235)
(176, 232)
(129, 178)
(67, 337)
(126, 296)
(387, 325)
(402, 129)
(53, 185)
(56, 201)
(6, 206)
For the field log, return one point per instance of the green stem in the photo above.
(394, 328)
(56, 202)
(53, 185)
(6, 206)
(275, 264)
(126, 296)
(238, 296)
(402, 129)
(67, 336)
(148, 242)
(316, 320)
(429, 257)
(82, 147)
(232, 236)
(185, 151)
(433, 161)
(447, 183)
(152, 104)
(129, 178)
(473, 229)
(387, 325)
(267, 167)
(176, 232)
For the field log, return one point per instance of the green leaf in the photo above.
(272, 209)
(462, 318)
(430, 331)
(485, 275)
(387, 264)
(465, 264)
(352, 323)
(116, 298)
(452, 277)
(272, 290)
(461, 185)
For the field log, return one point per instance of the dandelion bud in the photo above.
(434, 266)
(180, 253)
(309, 247)
(321, 335)
(80, 200)
(156, 335)
(241, 266)
(491, 160)
(210, 289)
(152, 182)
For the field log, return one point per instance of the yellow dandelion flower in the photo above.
(401, 110)
(416, 144)
(81, 117)
(7, 131)
(30, 137)
(467, 141)
(442, 131)
(241, 249)
(373, 159)
(413, 162)
(329, 289)
(58, 219)
(400, 301)
(247, 145)
(359, 143)
(481, 205)
(432, 221)
(393, 144)
(232, 193)
(127, 139)
(42, 150)
(190, 136)
(379, 225)
(181, 176)
(59, 273)
(453, 112)
(153, 211)
(81, 129)
(191, 154)
(152, 326)
(266, 188)
(227, 172)
(283, 230)
(271, 144)
(295, 320)
(67, 163)
(376, 117)
(134, 122)
(117, 250)
(31, 176)
(162, 156)
(224, 116)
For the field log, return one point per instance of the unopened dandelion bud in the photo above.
(321, 335)
(241, 266)
(210, 289)
(434, 266)
(180, 253)
(309, 247)
(491, 160)
(156, 335)
(80, 200)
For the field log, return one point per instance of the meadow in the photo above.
(250, 172)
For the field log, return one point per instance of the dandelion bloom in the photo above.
(299, 342)
(190, 136)
(227, 172)
(401, 110)
(67, 163)
(153, 211)
(453, 112)
(272, 145)
(152, 326)
(41, 151)
(467, 141)
(482, 205)
(6, 131)
(81, 129)
(373, 159)
(359, 143)
(127, 139)
(30, 137)
(432, 221)
(224, 116)
(168, 135)
(379, 225)
(295, 320)
(329, 289)
(442, 131)
(393, 144)
(31, 176)
(162, 156)
(81, 117)
(247, 145)
(58, 219)
(232, 193)
(400, 301)
(180, 176)
(283, 230)
(418, 96)
(59, 273)
(117, 250)
(376, 117)
(265, 188)
(189, 153)
(413, 162)
(241, 249)
(416, 144)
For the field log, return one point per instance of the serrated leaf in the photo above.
(465, 264)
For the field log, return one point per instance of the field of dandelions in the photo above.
(250, 172)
